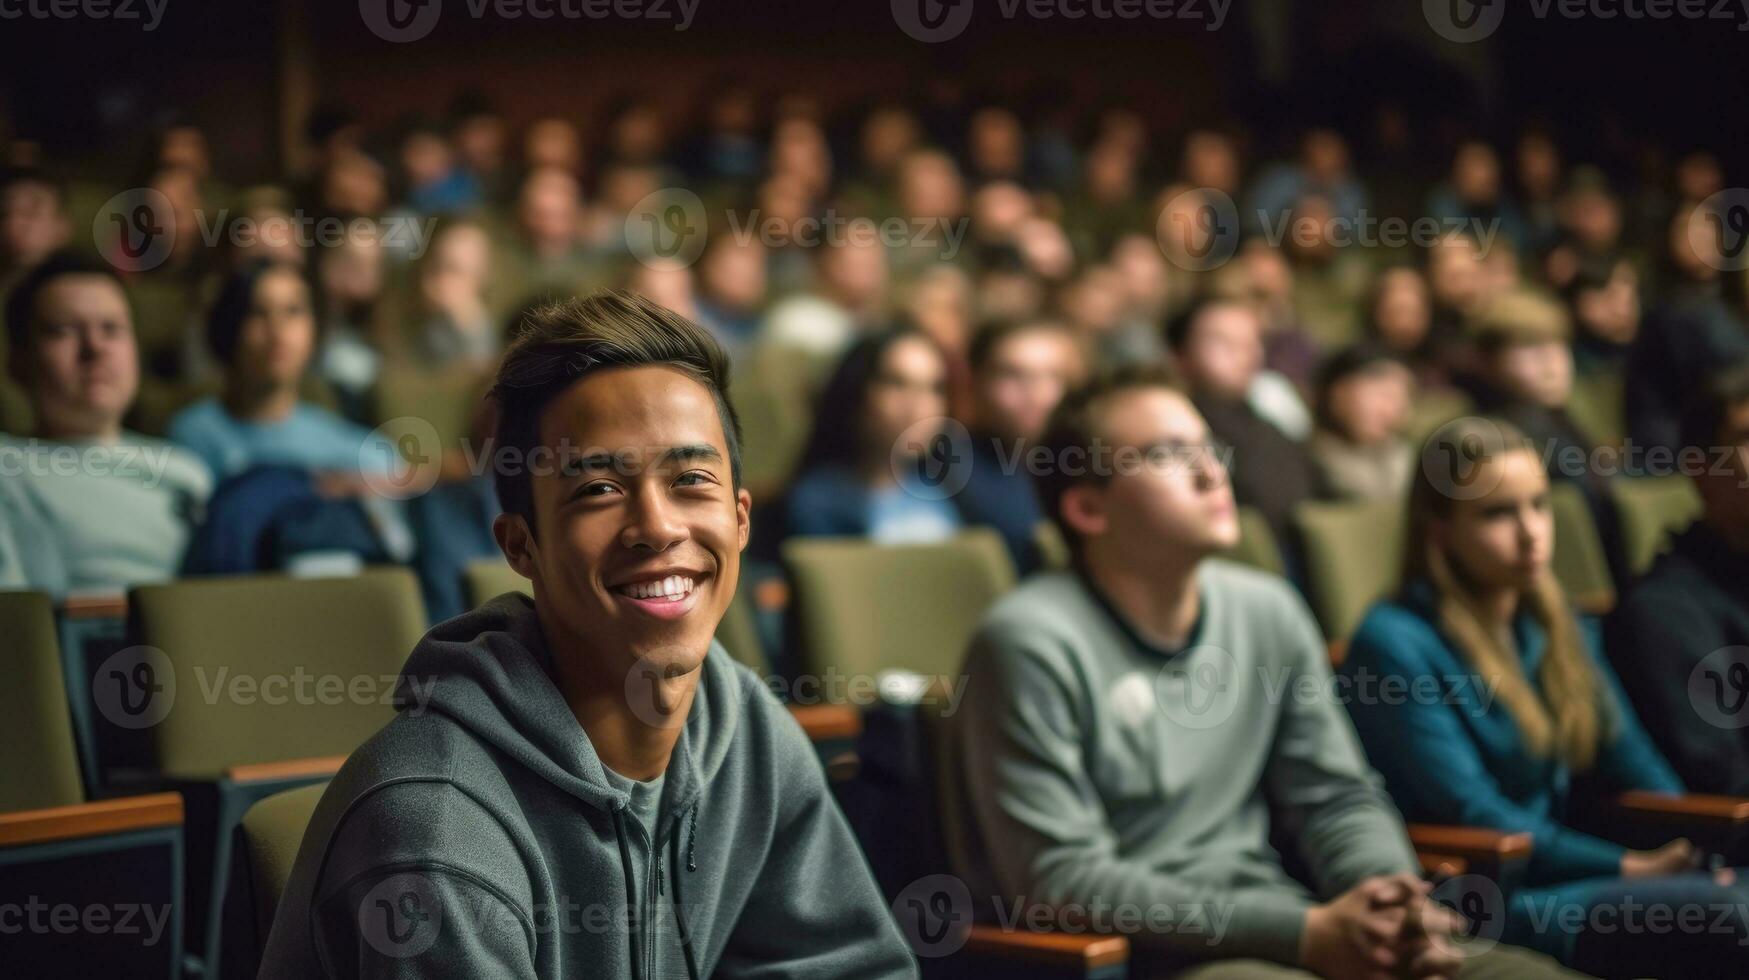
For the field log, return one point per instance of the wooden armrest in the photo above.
(771, 595)
(1475, 845)
(326, 765)
(90, 819)
(1437, 865)
(1336, 650)
(828, 722)
(1082, 951)
(1598, 603)
(1691, 808)
(96, 606)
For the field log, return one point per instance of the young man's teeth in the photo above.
(672, 587)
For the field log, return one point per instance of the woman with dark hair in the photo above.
(1516, 707)
(872, 467)
(262, 331)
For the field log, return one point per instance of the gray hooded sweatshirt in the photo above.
(477, 835)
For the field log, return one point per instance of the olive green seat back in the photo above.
(1257, 546)
(240, 650)
(36, 726)
(273, 830)
(1432, 408)
(863, 608)
(1650, 510)
(1353, 554)
(1597, 407)
(1579, 561)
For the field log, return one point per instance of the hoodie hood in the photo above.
(490, 672)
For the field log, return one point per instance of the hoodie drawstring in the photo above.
(679, 908)
(637, 910)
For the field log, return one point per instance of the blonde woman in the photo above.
(1483, 701)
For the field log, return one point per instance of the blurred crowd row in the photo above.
(888, 281)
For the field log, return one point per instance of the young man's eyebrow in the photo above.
(692, 452)
(625, 462)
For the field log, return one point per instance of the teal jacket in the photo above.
(477, 835)
(1451, 753)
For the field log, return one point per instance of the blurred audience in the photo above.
(1363, 398)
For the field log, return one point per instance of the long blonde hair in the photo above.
(1563, 720)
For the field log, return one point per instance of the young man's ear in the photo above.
(517, 542)
(743, 517)
(1083, 510)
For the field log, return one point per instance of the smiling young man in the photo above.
(591, 786)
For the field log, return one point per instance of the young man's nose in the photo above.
(654, 523)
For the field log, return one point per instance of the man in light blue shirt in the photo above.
(84, 504)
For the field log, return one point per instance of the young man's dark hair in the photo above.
(558, 344)
(21, 302)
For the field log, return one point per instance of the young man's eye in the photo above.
(693, 478)
(600, 488)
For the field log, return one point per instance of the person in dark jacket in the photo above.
(1217, 348)
(1680, 638)
(1020, 372)
(584, 783)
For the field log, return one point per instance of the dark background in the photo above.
(1626, 94)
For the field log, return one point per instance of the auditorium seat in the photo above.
(65, 851)
(270, 834)
(1650, 510)
(862, 608)
(447, 400)
(1579, 561)
(1597, 408)
(1353, 555)
(772, 397)
(272, 681)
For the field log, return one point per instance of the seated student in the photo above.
(1118, 744)
(1526, 377)
(855, 477)
(85, 504)
(262, 329)
(1217, 347)
(1525, 710)
(1363, 403)
(1020, 371)
(1693, 606)
(588, 783)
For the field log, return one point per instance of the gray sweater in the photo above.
(478, 835)
(1138, 787)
